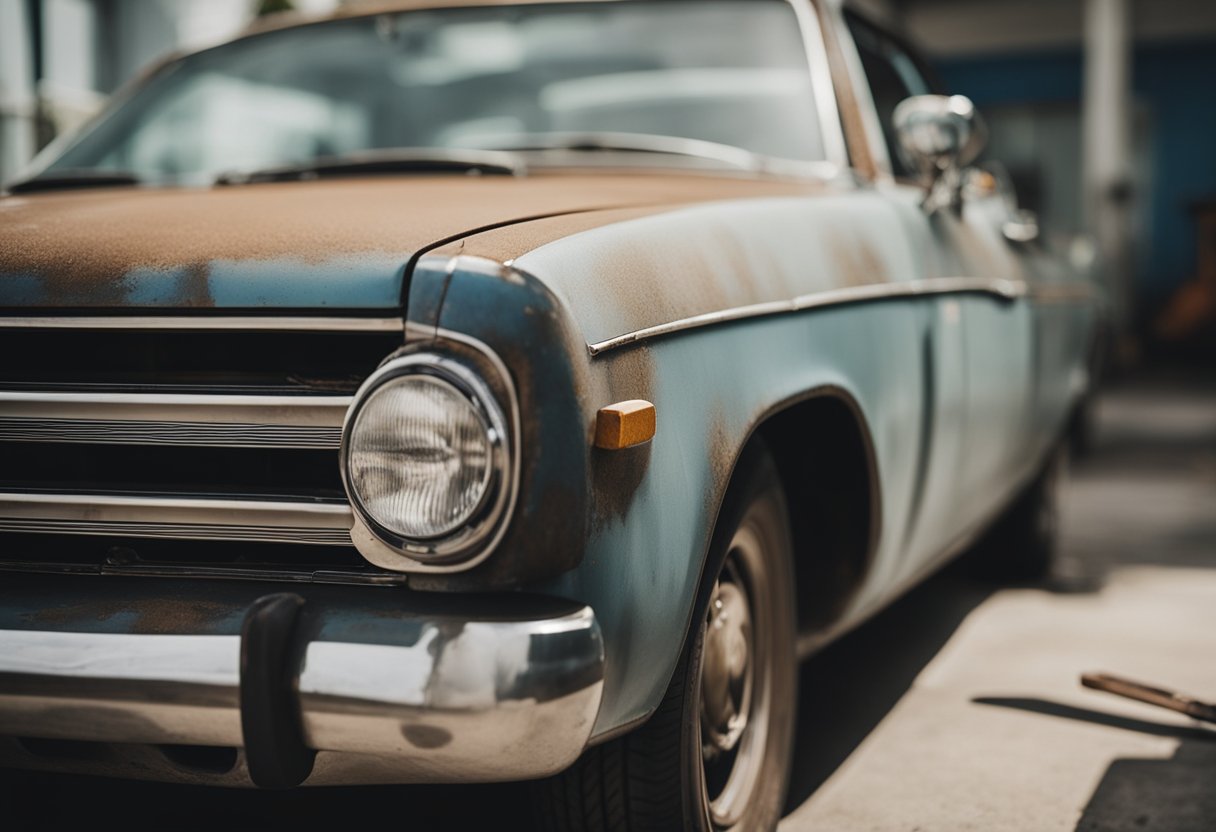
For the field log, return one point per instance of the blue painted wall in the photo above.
(1176, 83)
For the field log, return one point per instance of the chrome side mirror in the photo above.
(938, 136)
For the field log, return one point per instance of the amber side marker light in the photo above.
(624, 424)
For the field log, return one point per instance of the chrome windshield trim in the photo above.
(317, 523)
(182, 409)
(201, 323)
(860, 86)
(1003, 289)
(831, 130)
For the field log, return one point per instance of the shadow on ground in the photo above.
(55, 802)
(1135, 795)
(1138, 795)
(847, 689)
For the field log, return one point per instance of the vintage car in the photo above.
(475, 391)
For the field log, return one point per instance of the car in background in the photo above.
(463, 392)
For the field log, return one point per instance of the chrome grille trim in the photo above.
(182, 408)
(212, 434)
(254, 521)
(181, 531)
(163, 570)
(233, 452)
(208, 323)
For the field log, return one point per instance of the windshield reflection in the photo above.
(730, 72)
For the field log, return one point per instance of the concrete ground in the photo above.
(958, 708)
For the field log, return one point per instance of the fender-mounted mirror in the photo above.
(939, 135)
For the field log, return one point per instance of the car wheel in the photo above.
(1021, 547)
(715, 754)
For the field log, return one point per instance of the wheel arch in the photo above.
(825, 456)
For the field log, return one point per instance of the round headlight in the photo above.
(424, 457)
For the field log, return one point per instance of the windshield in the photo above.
(733, 72)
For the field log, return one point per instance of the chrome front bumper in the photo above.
(386, 685)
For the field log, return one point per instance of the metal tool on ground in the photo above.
(1203, 711)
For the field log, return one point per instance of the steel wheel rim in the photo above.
(736, 630)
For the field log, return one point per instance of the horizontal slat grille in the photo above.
(324, 523)
(182, 470)
(181, 531)
(113, 431)
(306, 363)
(200, 558)
(180, 449)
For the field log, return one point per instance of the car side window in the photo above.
(893, 73)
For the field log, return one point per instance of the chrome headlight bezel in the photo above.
(476, 537)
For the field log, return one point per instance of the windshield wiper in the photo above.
(393, 160)
(609, 142)
(67, 179)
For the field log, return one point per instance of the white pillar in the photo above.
(1106, 136)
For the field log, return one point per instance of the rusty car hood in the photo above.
(334, 244)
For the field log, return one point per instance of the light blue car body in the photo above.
(954, 353)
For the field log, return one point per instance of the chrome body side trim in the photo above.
(317, 523)
(432, 696)
(178, 408)
(1005, 290)
(205, 323)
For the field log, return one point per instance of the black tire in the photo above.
(656, 777)
(1021, 546)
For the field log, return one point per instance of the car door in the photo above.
(976, 344)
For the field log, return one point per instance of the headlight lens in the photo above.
(420, 456)
(425, 457)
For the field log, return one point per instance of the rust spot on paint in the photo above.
(78, 240)
(147, 616)
(721, 450)
(630, 374)
(195, 290)
(721, 446)
(857, 261)
(979, 250)
(617, 475)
